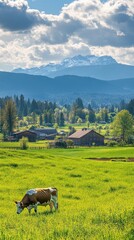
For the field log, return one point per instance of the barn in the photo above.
(86, 137)
(45, 133)
(36, 134)
(26, 133)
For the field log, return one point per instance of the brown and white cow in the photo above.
(36, 197)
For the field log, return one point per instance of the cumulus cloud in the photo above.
(61, 31)
(16, 16)
(95, 23)
(122, 55)
(32, 38)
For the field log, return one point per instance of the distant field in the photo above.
(17, 144)
(95, 197)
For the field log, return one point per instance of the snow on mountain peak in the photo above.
(87, 60)
(79, 60)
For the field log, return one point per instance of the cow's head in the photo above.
(19, 206)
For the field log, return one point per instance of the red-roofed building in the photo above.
(86, 137)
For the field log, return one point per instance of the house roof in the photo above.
(82, 132)
(44, 131)
(39, 132)
(23, 132)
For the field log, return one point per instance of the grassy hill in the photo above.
(95, 197)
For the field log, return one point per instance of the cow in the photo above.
(38, 197)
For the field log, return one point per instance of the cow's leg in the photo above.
(51, 206)
(34, 202)
(56, 206)
(35, 207)
(55, 203)
(29, 208)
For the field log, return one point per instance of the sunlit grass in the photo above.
(95, 197)
(37, 144)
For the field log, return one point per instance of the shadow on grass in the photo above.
(71, 197)
(15, 165)
(42, 213)
(75, 175)
(47, 213)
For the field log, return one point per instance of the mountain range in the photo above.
(65, 89)
(73, 77)
(104, 68)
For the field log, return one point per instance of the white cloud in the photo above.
(122, 55)
(16, 16)
(32, 38)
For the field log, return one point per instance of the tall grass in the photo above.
(95, 197)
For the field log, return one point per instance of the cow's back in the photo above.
(41, 195)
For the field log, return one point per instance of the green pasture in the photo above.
(96, 200)
(38, 144)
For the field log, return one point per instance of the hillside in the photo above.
(63, 87)
(104, 72)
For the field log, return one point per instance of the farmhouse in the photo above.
(27, 133)
(36, 134)
(86, 137)
(45, 133)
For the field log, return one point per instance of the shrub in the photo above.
(24, 143)
(71, 130)
(122, 143)
(61, 144)
(111, 143)
(70, 143)
(58, 138)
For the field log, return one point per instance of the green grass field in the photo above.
(96, 199)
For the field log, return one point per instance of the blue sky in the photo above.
(37, 32)
(49, 6)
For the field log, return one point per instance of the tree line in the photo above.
(17, 112)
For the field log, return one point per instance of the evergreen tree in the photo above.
(1, 119)
(34, 106)
(61, 119)
(79, 103)
(21, 105)
(111, 109)
(50, 117)
(9, 116)
(77, 110)
(41, 119)
(122, 105)
(46, 118)
(130, 107)
(91, 116)
(89, 107)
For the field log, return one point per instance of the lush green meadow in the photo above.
(96, 199)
